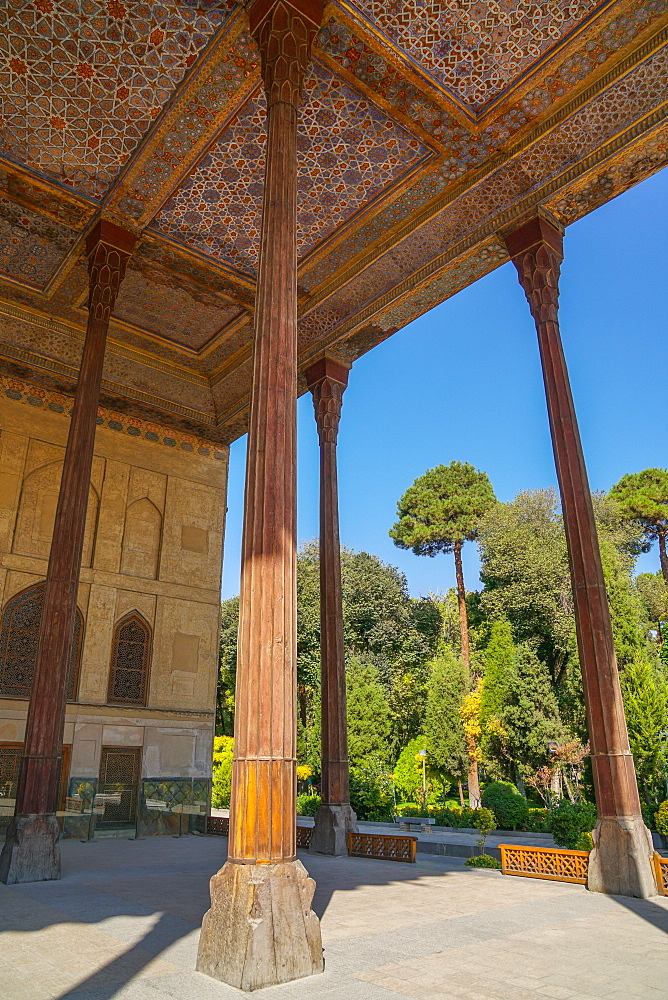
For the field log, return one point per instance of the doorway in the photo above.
(118, 789)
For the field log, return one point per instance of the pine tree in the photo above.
(444, 730)
(368, 714)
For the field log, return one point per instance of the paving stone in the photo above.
(123, 924)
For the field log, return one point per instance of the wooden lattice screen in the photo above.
(385, 847)
(130, 659)
(19, 634)
(544, 862)
(661, 872)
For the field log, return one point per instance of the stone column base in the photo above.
(621, 861)
(332, 822)
(260, 930)
(31, 852)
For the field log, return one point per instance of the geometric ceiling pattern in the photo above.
(83, 80)
(476, 49)
(427, 130)
(348, 152)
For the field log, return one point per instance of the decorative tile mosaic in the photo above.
(240, 61)
(82, 80)
(172, 309)
(163, 385)
(56, 402)
(349, 151)
(464, 150)
(584, 131)
(32, 247)
(474, 49)
(595, 189)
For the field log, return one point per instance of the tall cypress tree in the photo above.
(499, 664)
(368, 714)
(446, 688)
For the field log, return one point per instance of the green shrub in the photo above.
(223, 749)
(308, 805)
(483, 861)
(585, 843)
(661, 818)
(568, 820)
(536, 821)
(370, 795)
(408, 809)
(510, 808)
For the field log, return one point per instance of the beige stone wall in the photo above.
(153, 544)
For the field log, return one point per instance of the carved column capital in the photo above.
(108, 248)
(327, 380)
(536, 249)
(284, 32)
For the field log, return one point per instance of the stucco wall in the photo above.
(154, 544)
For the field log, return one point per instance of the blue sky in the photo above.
(463, 382)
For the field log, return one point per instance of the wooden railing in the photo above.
(544, 862)
(661, 872)
(220, 826)
(304, 835)
(385, 847)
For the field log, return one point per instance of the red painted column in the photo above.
(31, 849)
(327, 380)
(621, 860)
(262, 875)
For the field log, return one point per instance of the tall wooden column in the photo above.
(31, 851)
(621, 860)
(327, 380)
(260, 929)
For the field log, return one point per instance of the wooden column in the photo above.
(327, 380)
(262, 875)
(31, 850)
(621, 860)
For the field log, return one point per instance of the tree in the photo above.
(408, 769)
(530, 718)
(438, 513)
(646, 705)
(443, 727)
(525, 572)
(643, 497)
(227, 673)
(368, 714)
(653, 595)
(499, 663)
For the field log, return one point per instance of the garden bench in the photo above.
(406, 822)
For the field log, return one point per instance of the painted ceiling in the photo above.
(428, 128)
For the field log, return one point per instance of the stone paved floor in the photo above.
(123, 925)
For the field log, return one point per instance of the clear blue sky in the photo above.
(463, 382)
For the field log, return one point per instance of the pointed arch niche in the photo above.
(130, 660)
(19, 635)
(141, 540)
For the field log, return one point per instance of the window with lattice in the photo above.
(19, 635)
(130, 660)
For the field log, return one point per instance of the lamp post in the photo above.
(423, 754)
